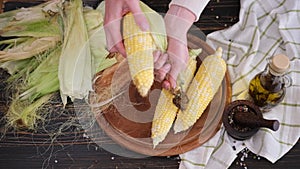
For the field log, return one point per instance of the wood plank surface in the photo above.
(69, 146)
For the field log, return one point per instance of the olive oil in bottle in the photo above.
(268, 87)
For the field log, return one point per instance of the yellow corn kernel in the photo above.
(202, 90)
(139, 47)
(166, 111)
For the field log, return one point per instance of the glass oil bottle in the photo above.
(268, 88)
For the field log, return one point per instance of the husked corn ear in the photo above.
(166, 110)
(164, 117)
(202, 90)
(139, 47)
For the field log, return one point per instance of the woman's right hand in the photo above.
(178, 20)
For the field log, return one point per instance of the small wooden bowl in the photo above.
(231, 128)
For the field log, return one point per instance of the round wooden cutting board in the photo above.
(127, 120)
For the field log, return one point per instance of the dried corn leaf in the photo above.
(33, 21)
(28, 48)
(97, 40)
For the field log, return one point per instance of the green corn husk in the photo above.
(21, 69)
(26, 39)
(34, 85)
(44, 79)
(75, 65)
(41, 87)
(30, 31)
(20, 113)
(158, 32)
(35, 77)
(97, 40)
(6, 18)
(28, 48)
(13, 42)
(41, 28)
(37, 21)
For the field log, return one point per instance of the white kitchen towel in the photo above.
(265, 28)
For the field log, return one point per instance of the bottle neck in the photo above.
(271, 80)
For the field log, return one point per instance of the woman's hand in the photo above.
(178, 20)
(178, 57)
(114, 11)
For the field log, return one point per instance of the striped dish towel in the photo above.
(266, 28)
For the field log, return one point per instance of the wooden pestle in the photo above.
(253, 121)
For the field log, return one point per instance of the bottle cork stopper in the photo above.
(280, 63)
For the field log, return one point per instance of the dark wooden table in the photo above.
(68, 146)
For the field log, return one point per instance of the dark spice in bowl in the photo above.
(232, 121)
(234, 128)
(242, 119)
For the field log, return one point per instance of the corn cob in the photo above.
(139, 47)
(166, 111)
(202, 90)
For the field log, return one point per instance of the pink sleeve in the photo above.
(195, 6)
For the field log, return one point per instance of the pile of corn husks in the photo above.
(55, 46)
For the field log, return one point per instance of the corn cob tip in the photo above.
(158, 135)
(157, 140)
(143, 81)
(164, 116)
(179, 127)
(219, 51)
(143, 91)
